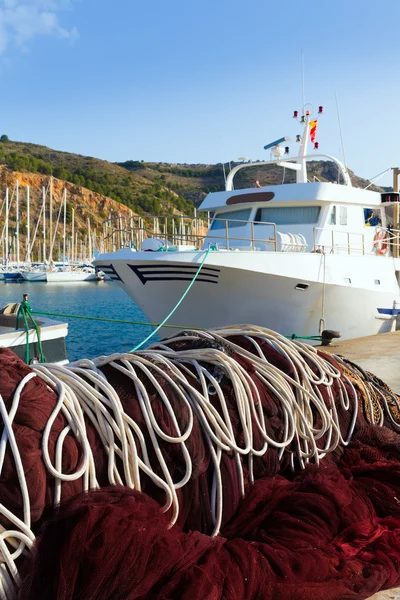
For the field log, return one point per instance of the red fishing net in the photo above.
(328, 532)
(316, 537)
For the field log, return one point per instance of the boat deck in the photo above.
(379, 354)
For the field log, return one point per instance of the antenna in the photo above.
(277, 142)
(340, 130)
(302, 81)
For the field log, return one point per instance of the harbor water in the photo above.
(86, 339)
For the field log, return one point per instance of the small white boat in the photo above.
(52, 336)
(71, 275)
(34, 275)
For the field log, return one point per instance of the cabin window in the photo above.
(343, 215)
(332, 220)
(288, 215)
(235, 218)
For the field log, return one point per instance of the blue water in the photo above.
(86, 339)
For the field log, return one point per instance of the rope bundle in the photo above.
(308, 400)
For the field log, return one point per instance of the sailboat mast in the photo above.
(73, 237)
(17, 219)
(44, 223)
(89, 241)
(65, 223)
(28, 220)
(7, 215)
(51, 217)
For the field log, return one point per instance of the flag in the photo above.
(313, 130)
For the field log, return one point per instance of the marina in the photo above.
(199, 301)
(209, 366)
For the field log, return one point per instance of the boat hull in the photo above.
(287, 292)
(12, 276)
(69, 276)
(33, 275)
(52, 338)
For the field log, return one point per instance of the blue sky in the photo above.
(201, 82)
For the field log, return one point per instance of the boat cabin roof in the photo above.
(313, 192)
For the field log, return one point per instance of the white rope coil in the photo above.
(310, 428)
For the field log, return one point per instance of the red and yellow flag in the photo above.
(313, 130)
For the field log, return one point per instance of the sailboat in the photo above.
(50, 271)
(70, 272)
(11, 268)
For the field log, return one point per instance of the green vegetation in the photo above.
(152, 198)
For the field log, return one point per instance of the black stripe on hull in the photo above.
(170, 272)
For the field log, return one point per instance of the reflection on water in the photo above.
(95, 299)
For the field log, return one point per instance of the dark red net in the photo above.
(331, 532)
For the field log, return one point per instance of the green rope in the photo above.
(25, 311)
(86, 318)
(146, 324)
(176, 305)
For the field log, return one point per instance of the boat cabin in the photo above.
(296, 217)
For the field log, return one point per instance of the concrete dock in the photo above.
(379, 354)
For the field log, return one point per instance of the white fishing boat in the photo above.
(299, 258)
(47, 342)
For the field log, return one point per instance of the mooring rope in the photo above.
(310, 427)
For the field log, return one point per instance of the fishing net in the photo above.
(244, 466)
(317, 536)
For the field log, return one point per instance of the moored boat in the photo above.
(46, 342)
(71, 275)
(299, 258)
(34, 275)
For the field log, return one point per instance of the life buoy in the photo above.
(380, 241)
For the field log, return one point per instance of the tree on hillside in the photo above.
(4, 138)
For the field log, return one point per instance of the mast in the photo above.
(7, 211)
(44, 222)
(73, 237)
(51, 217)
(28, 219)
(17, 219)
(64, 223)
(301, 175)
(89, 241)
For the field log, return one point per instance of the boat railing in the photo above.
(386, 242)
(337, 241)
(177, 230)
(222, 234)
(120, 232)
